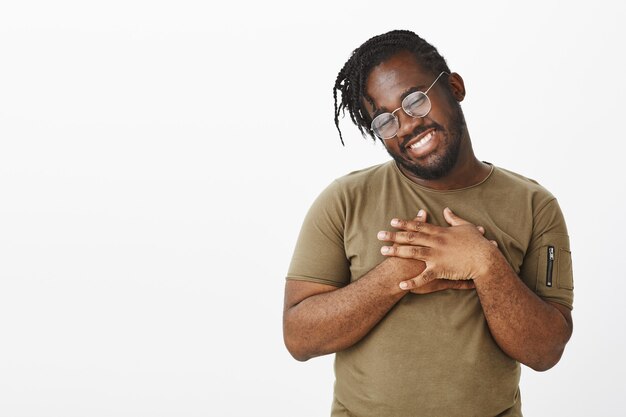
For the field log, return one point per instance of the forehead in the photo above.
(392, 78)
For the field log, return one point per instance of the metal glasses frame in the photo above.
(410, 96)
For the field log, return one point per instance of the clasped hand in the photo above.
(459, 252)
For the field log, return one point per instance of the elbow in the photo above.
(546, 361)
(295, 348)
(299, 356)
(541, 367)
(301, 343)
(546, 358)
(296, 344)
(554, 345)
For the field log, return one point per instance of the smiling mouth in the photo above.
(423, 141)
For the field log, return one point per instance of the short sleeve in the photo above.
(320, 255)
(547, 265)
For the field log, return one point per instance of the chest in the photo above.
(373, 213)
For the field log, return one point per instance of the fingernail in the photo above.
(395, 222)
(384, 250)
(381, 235)
(404, 285)
(420, 213)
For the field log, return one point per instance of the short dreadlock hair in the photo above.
(353, 76)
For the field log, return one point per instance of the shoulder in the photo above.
(352, 189)
(366, 174)
(343, 188)
(517, 180)
(366, 178)
(519, 186)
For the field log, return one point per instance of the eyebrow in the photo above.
(411, 90)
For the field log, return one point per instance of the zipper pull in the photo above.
(550, 266)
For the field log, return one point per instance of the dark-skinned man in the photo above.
(434, 275)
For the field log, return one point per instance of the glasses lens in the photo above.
(385, 126)
(416, 104)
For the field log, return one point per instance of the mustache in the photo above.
(418, 131)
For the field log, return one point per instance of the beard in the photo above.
(439, 165)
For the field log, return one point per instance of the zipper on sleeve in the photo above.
(550, 266)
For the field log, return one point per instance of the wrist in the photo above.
(491, 262)
(395, 270)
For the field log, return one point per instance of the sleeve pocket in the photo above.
(566, 276)
(553, 272)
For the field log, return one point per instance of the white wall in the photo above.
(157, 158)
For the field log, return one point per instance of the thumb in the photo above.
(453, 219)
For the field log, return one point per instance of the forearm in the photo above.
(335, 320)
(525, 327)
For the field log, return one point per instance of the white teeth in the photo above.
(423, 141)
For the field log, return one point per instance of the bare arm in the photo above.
(526, 327)
(320, 319)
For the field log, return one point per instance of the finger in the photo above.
(422, 279)
(407, 252)
(494, 243)
(412, 225)
(422, 216)
(405, 238)
(453, 219)
(433, 286)
(386, 236)
(481, 230)
(444, 284)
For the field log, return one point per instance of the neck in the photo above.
(467, 171)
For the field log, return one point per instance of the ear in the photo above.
(457, 86)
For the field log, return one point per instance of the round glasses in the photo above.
(416, 104)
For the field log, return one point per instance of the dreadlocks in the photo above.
(352, 77)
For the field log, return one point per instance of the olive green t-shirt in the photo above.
(432, 354)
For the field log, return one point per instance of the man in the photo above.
(429, 315)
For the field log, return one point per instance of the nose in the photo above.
(407, 124)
